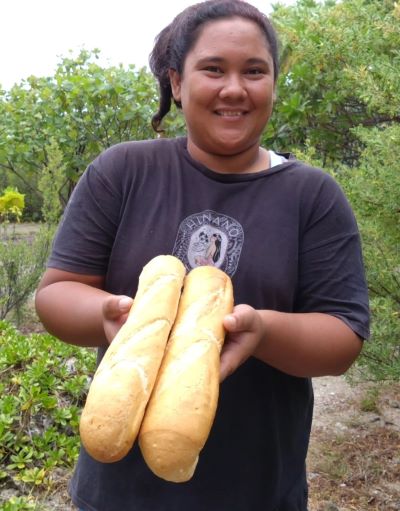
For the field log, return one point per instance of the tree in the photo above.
(22, 258)
(84, 107)
(340, 68)
(374, 190)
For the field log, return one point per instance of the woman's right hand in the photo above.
(115, 313)
(76, 309)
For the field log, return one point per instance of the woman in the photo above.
(287, 237)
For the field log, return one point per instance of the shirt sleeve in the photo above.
(86, 233)
(331, 271)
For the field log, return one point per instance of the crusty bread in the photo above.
(123, 382)
(183, 404)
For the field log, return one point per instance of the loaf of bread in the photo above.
(183, 404)
(124, 379)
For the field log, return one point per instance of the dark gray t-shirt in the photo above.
(288, 239)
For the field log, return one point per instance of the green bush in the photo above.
(12, 205)
(22, 263)
(374, 190)
(43, 385)
(22, 259)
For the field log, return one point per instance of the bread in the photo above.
(183, 404)
(123, 382)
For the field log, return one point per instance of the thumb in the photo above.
(241, 319)
(116, 305)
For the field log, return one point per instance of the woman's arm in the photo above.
(300, 344)
(77, 310)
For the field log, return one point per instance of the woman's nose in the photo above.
(233, 87)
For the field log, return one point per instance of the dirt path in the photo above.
(354, 457)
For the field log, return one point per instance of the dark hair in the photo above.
(175, 41)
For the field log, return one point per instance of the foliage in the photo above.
(21, 265)
(19, 504)
(22, 259)
(84, 108)
(12, 204)
(374, 190)
(340, 66)
(50, 184)
(43, 384)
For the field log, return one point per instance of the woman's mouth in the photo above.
(230, 113)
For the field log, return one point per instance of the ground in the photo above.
(354, 456)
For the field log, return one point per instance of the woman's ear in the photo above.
(175, 81)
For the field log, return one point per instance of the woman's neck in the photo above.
(255, 159)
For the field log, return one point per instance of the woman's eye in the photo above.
(255, 71)
(213, 69)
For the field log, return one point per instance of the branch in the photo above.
(381, 119)
(25, 181)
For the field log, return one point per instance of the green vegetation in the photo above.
(12, 204)
(340, 65)
(22, 260)
(374, 190)
(369, 402)
(84, 108)
(42, 388)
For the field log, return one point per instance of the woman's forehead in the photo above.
(217, 34)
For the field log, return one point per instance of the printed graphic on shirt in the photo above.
(209, 238)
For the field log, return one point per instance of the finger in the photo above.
(241, 319)
(116, 306)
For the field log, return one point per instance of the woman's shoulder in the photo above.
(308, 174)
(311, 186)
(136, 150)
(303, 168)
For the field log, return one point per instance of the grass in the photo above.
(370, 401)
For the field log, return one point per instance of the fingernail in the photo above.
(231, 321)
(125, 303)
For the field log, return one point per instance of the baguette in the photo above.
(183, 404)
(124, 379)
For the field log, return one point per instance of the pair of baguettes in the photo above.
(159, 379)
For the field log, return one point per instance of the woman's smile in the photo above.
(230, 113)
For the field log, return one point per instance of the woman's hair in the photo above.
(175, 41)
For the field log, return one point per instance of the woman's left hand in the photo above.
(244, 329)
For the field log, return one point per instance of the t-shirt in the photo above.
(289, 241)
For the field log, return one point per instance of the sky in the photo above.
(35, 34)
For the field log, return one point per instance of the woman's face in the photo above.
(226, 88)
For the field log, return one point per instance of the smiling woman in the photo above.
(226, 91)
(282, 230)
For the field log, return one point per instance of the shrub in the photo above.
(22, 260)
(12, 205)
(43, 384)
